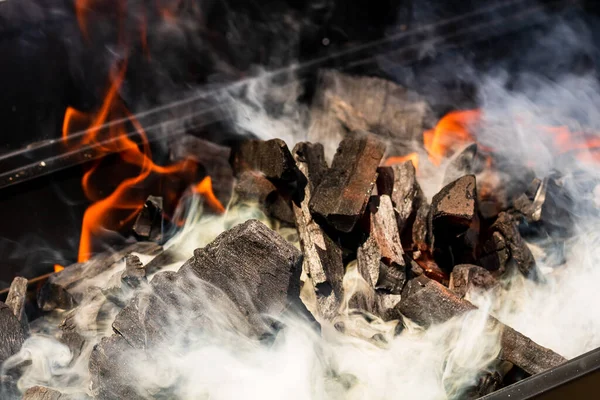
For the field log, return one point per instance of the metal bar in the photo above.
(578, 378)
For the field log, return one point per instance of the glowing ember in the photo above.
(414, 157)
(58, 268)
(450, 132)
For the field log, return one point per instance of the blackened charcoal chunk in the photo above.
(454, 223)
(323, 261)
(466, 278)
(15, 299)
(149, 223)
(455, 203)
(271, 157)
(135, 273)
(427, 302)
(344, 191)
(252, 186)
(245, 273)
(495, 254)
(12, 334)
(312, 157)
(257, 268)
(44, 393)
(400, 183)
(518, 252)
(112, 370)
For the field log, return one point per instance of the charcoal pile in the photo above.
(419, 260)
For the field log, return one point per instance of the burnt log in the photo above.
(271, 157)
(213, 158)
(466, 278)
(149, 224)
(12, 334)
(322, 256)
(427, 302)
(253, 187)
(345, 102)
(515, 251)
(342, 196)
(454, 224)
(381, 259)
(400, 183)
(66, 288)
(17, 295)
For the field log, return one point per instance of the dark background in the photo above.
(47, 65)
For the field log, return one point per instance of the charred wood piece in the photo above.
(322, 256)
(505, 232)
(149, 224)
(253, 187)
(454, 224)
(345, 102)
(342, 196)
(420, 229)
(44, 393)
(12, 334)
(135, 273)
(381, 259)
(66, 288)
(17, 295)
(213, 158)
(465, 278)
(249, 270)
(271, 157)
(495, 254)
(400, 183)
(427, 302)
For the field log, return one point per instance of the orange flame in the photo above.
(414, 157)
(114, 138)
(451, 131)
(58, 268)
(204, 188)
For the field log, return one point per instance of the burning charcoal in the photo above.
(12, 334)
(135, 273)
(342, 195)
(400, 183)
(465, 278)
(271, 157)
(322, 257)
(345, 103)
(66, 288)
(454, 223)
(163, 259)
(252, 186)
(427, 302)
(518, 252)
(16, 297)
(214, 159)
(149, 222)
(111, 366)
(380, 258)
